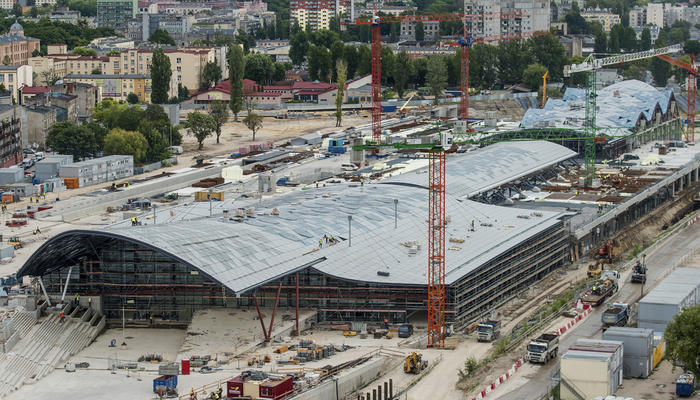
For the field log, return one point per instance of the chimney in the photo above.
(69, 88)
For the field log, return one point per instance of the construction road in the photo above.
(538, 377)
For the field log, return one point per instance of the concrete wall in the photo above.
(347, 382)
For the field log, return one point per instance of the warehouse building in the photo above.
(351, 252)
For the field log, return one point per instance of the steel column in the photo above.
(274, 311)
(43, 289)
(464, 103)
(65, 288)
(297, 301)
(691, 106)
(260, 317)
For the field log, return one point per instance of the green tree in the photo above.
(420, 31)
(645, 41)
(211, 75)
(157, 142)
(201, 126)
(341, 71)
(120, 141)
(33, 12)
(394, 33)
(183, 93)
(279, 72)
(601, 43)
(132, 98)
(298, 47)
(85, 52)
(161, 36)
(351, 59)
(96, 71)
(682, 339)
(68, 138)
(259, 68)
(236, 66)
(660, 69)
(547, 51)
(614, 41)
(513, 57)
(532, 76)
(403, 70)
(578, 79)
(575, 23)
(36, 53)
(252, 120)
(319, 64)
(219, 111)
(129, 117)
(107, 113)
(6, 60)
(437, 76)
(17, 10)
(160, 77)
(692, 47)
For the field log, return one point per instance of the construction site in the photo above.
(366, 262)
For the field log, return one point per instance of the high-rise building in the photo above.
(638, 16)
(116, 13)
(316, 14)
(655, 14)
(493, 19)
(607, 18)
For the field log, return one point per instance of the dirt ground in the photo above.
(659, 386)
(235, 134)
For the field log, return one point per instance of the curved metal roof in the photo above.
(280, 235)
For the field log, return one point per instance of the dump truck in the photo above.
(414, 363)
(602, 288)
(488, 331)
(639, 273)
(617, 314)
(543, 349)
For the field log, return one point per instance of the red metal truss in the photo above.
(376, 84)
(436, 248)
(464, 103)
(692, 74)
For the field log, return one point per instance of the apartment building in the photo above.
(491, 19)
(430, 28)
(15, 48)
(606, 18)
(116, 13)
(655, 14)
(638, 16)
(13, 77)
(63, 14)
(316, 14)
(10, 135)
(118, 86)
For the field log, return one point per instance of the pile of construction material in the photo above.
(209, 182)
(260, 385)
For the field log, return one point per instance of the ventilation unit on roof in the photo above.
(383, 273)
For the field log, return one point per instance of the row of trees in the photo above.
(49, 32)
(117, 129)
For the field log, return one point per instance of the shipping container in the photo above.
(591, 368)
(169, 381)
(680, 289)
(71, 183)
(185, 365)
(659, 350)
(277, 389)
(234, 387)
(638, 350)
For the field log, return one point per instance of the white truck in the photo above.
(488, 331)
(543, 349)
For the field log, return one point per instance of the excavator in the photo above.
(402, 110)
(414, 364)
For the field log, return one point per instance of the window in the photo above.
(179, 69)
(10, 78)
(116, 65)
(179, 60)
(139, 86)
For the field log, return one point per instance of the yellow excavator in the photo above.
(402, 110)
(414, 363)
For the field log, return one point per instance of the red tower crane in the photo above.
(692, 77)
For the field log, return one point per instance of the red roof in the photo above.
(249, 86)
(277, 88)
(35, 89)
(320, 86)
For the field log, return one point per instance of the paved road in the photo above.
(658, 263)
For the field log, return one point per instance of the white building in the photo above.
(493, 18)
(638, 16)
(655, 14)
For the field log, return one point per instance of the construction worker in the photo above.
(192, 394)
(90, 302)
(320, 243)
(219, 391)
(62, 316)
(77, 298)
